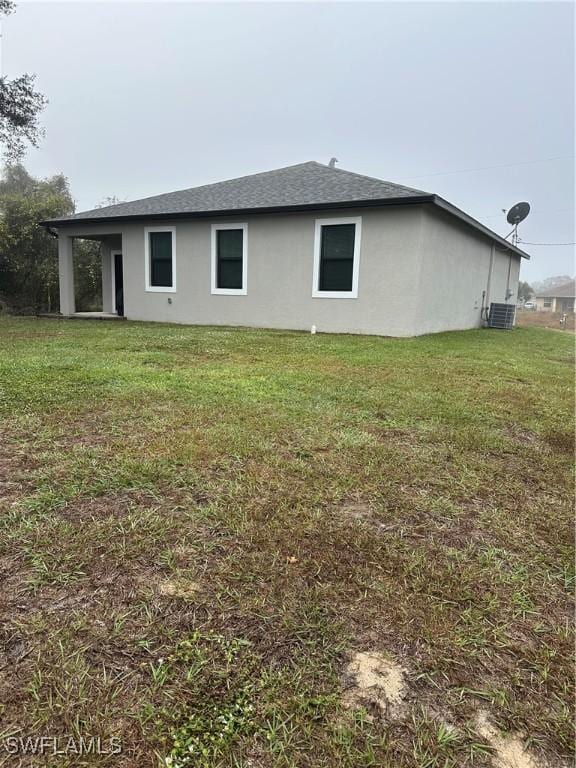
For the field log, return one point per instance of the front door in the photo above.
(118, 284)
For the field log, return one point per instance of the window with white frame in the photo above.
(336, 258)
(230, 259)
(160, 256)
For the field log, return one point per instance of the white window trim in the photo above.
(353, 294)
(214, 272)
(113, 254)
(159, 288)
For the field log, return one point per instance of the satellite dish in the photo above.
(518, 213)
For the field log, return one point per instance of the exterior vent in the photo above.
(501, 316)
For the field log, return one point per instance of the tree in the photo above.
(525, 291)
(29, 254)
(88, 275)
(552, 282)
(20, 107)
(110, 200)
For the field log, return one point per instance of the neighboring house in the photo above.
(302, 246)
(558, 299)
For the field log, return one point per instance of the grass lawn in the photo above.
(202, 528)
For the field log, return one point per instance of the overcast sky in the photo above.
(147, 98)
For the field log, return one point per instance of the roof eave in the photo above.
(375, 203)
(417, 199)
(446, 206)
(555, 296)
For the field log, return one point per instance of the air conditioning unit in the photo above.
(501, 316)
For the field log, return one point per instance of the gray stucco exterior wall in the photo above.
(457, 266)
(419, 272)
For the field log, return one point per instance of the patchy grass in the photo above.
(202, 528)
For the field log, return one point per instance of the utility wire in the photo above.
(489, 167)
(533, 211)
(527, 242)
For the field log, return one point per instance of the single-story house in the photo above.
(302, 246)
(558, 299)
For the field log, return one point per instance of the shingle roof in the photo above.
(566, 290)
(305, 184)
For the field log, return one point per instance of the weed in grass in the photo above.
(221, 706)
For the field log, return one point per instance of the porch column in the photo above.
(66, 274)
(107, 299)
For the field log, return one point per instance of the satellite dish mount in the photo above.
(516, 214)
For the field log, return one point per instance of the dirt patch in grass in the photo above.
(356, 511)
(457, 530)
(111, 505)
(509, 749)
(16, 465)
(187, 590)
(560, 441)
(524, 436)
(375, 682)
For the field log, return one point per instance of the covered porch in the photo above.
(112, 283)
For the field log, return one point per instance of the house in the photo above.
(558, 299)
(302, 246)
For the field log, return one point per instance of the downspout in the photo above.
(486, 308)
(508, 292)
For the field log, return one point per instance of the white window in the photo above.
(230, 259)
(336, 258)
(160, 259)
